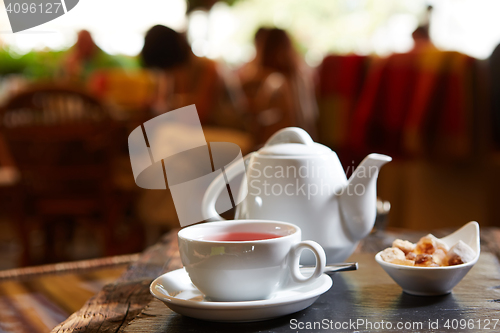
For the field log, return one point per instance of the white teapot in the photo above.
(293, 179)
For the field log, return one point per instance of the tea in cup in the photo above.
(245, 260)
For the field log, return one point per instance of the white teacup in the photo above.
(232, 269)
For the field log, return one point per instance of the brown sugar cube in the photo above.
(455, 261)
(424, 260)
(411, 256)
(392, 253)
(439, 257)
(404, 262)
(426, 245)
(441, 245)
(460, 253)
(404, 245)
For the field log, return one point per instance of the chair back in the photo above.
(61, 140)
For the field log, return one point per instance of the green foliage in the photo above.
(33, 65)
(36, 65)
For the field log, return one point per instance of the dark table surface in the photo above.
(365, 300)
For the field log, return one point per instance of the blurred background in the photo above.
(417, 80)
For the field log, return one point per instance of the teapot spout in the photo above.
(358, 199)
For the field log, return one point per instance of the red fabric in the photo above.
(414, 104)
(440, 122)
(341, 75)
(383, 105)
(340, 79)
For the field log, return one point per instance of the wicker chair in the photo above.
(62, 142)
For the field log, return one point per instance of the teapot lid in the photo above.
(293, 141)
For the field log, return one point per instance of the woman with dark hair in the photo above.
(281, 90)
(182, 78)
(164, 48)
(278, 53)
(249, 70)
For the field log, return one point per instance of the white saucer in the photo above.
(179, 294)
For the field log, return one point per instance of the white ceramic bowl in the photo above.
(433, 281)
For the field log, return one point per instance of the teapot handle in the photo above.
(215, 188)
(290, 135)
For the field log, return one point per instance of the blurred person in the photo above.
(422, 40)
(184, 79)
(248, 70)
(421, 36)
(280, 91)
(418, 104)
(85, 57)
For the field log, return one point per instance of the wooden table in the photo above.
(368, 294)
(35, 299)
